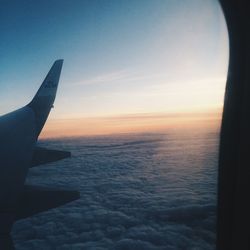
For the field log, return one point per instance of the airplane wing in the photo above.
(18, 152)
(44, 155)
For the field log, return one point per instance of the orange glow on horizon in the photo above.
(134, 123)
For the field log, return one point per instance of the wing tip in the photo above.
(45, 96)
(59, 61)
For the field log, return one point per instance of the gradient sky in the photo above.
(120, 57)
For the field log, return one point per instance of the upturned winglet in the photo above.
(43, 101)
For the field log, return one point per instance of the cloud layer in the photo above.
(148, 191)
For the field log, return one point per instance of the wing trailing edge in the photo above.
(44, 155)
(36, 200)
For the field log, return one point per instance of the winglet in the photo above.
(45, 96)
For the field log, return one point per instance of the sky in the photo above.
(121, 58)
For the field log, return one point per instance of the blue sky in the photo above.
(120, 57)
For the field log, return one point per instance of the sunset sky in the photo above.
(129, 65)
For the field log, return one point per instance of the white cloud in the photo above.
(135, 194)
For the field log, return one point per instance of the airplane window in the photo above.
(138, 108)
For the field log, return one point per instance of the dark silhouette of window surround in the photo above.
(233, 214)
